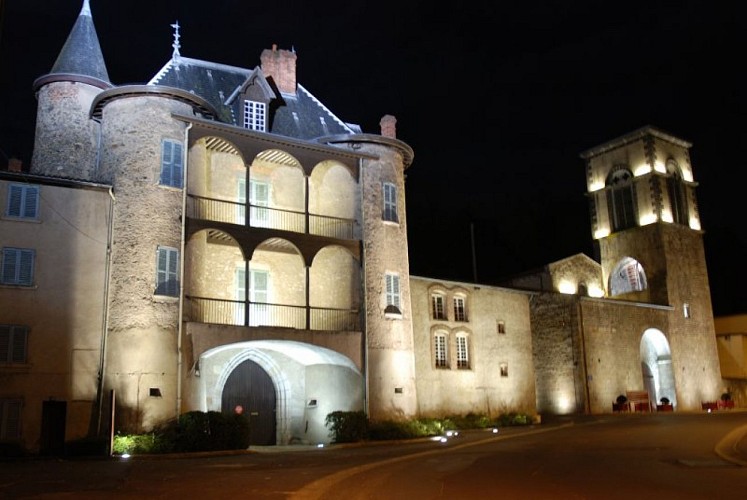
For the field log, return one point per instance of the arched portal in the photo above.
(249, 390)
(656, 366)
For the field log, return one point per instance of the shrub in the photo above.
(726, 397)
(664, 400)
(347, 426)
(192, 431)
(621, 399)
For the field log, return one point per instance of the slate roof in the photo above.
(81, 54)
(300, 116)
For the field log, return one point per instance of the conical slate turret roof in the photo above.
(81, 54)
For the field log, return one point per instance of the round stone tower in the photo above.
(390, 359)
(66, 139)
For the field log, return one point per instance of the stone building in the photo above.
(217, 239)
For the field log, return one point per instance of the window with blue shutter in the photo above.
(23, 201)
(18, 267)
(390, 203)
(167, 275)
(172, 164)
(13, 340)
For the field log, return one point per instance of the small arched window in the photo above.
(621, 198)
(628, 276)
(441, 350)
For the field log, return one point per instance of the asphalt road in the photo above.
(682, 456)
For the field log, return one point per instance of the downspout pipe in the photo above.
(364, 312)
(182, 247)
(105, 319)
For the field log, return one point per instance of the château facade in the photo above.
(217, 239)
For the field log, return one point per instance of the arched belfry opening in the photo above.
(656, 367)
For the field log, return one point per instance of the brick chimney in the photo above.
(388, 126)
(14, 165)
(281, 66)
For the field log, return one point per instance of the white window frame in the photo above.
(18, 266)
(441, 350)
(393, 291)
(255, 115)
(167, 272)
(460, 308)
(438, 306)
(462, 351)
(10, 418)
(172, 164)
(13, 344)
(259, 201)
(259, 297)
(23, 201)
(390, 202)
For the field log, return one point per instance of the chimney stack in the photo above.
(281, 66)
(14, 165)
(388, 126)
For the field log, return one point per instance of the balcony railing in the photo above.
(240, 313)
(232, 212)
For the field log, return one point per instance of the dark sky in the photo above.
(496, 98)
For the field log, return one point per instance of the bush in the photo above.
(621, 399)
(192, 431)
(347, 426)
(726, 397)
(664, 400)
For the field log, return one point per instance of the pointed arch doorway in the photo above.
(250, 388)
(656, 367)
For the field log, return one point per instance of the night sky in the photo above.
(497, 99)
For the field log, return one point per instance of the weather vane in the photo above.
(176, 44)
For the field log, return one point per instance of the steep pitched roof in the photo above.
(300, 116)
(81, 54)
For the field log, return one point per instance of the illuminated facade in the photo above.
(232, 245)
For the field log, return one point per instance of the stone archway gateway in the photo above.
(249, 390)
(656, 366)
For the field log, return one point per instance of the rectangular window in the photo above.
(686, 310)
(167, 279)
(23, 201)
(504, 369)
(241, 199)
(259, 297)
(390, 202)
(13, 339)
(18, 266)
(460, 309)
(392, 292)
(441, 351)
(10, 418)
(437, 303)
(255, 115)
(172, 164)
(259, 200)
(462, 352)
(501, 327)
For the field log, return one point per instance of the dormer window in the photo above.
(255, 115)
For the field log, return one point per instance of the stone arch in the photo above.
(277, 181)
(335, 279)
(656, 366)
(628, 275)
(333, 190)
(216, 169)
(211, 257)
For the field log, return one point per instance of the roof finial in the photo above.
(86, 10)
(176, 40)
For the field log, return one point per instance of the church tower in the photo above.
(66, 137)
(644, 216)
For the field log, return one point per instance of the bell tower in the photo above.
(644, 216)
